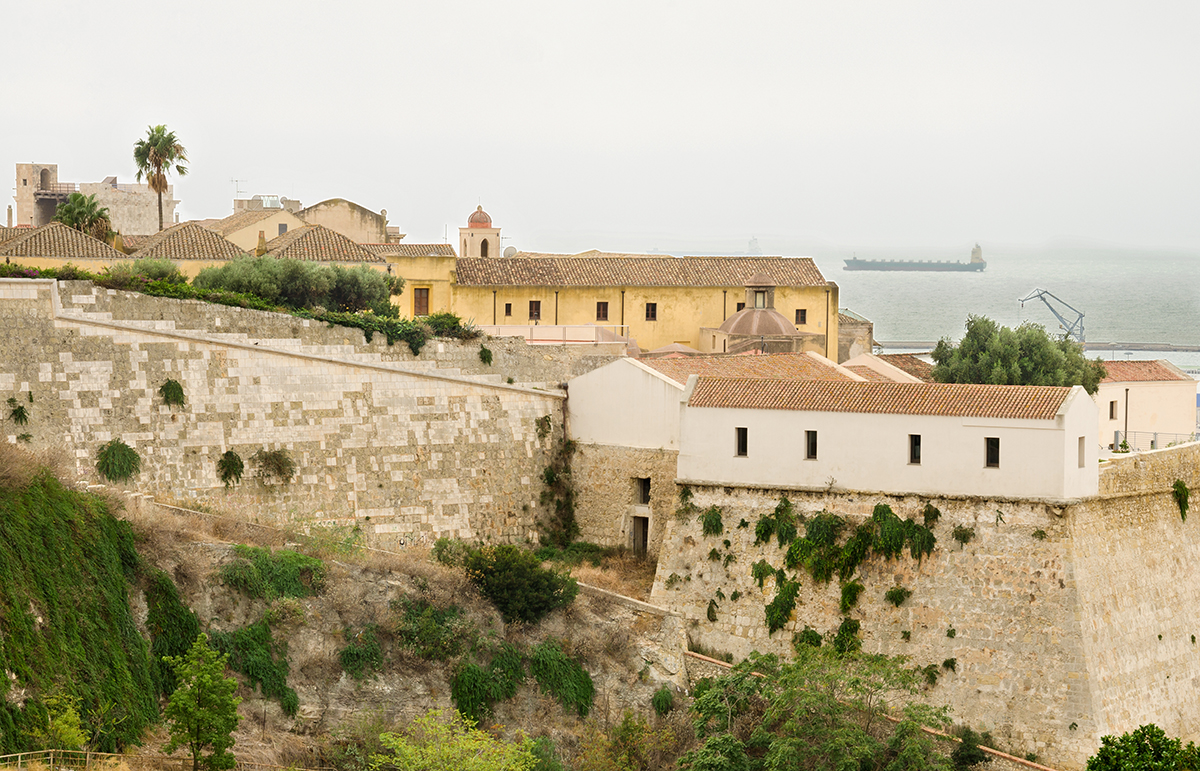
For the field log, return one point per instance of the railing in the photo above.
(57, 188)
(557, 334)
(1141, 441)
(79, 759)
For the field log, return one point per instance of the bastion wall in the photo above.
(404, 447)
(1056, 612)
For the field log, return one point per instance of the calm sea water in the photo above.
(1125, 296)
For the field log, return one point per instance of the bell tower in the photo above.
(479, 238)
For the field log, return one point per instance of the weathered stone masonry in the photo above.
(405, 454)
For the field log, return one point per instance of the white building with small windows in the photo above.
(1147, 404)
(922, 438)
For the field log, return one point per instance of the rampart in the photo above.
(405, 447)
(1063, 624)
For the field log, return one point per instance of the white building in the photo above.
(1149, 404)
(925, 438)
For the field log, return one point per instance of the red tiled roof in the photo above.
(866, 373)
(1141, 371)
(636, 271)
(188, 241)
(922, 370)
(780, 366)
(318, 243)
(55, 239)
(244, 219)
(941, 399)
(411, 250)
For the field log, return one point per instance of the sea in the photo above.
(1126, 296)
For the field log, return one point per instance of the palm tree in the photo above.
(155, 155)
(82, 213)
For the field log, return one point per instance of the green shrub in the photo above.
(303, 284)
(173, 627)
(963, 534)
(779, 610)
(663, 701)
(450, 551)
(846, 640)
(967, 754)
(951, 664)
(931, 674)
(230, 468)
(117, 461)
(951, 632)
(433, 633)
(1181, 493)
(897, 595)
(362, 654)
(259, 573)
(274, 463)
(485, 355)
(931, 515)
(172, 393)
(254, 652)
(850, 593)
(711, 614)
(764, 529)
(1039, 534)
(562, 677)
(17, 412)
(1148, 747)
(761, 571)
(517, 584)
(475, 689)
(710, 521)
(809, 637)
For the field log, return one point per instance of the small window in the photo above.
(535, 310)
(1112, 410)
(741, 306)
(643, 490)
(651, 311)
(992, 445)
(914, 449)
(760, 299)
(483, 248)
(282, 228)
(24, 183)
(601, 311)
(1082, 452)
(742, 442)
(507, 309)
(801, 316)
(810, 445)
(420, 302)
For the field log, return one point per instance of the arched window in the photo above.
(44, 179)
(464, 249)
(483, 248)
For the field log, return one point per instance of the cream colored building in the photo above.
(132, 208)
(243, 228)
(358, 223)
(1148, 404)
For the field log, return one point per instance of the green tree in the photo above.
(63, 728)
(155, 156)
(202, 713)
(1146, 749)
(1027, 355)
(82, 213)
(431, 743)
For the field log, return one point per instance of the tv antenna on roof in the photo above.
(237, 186)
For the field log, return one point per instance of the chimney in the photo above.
(10, 216)
(261, 249)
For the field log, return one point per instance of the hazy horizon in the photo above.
(818, 127)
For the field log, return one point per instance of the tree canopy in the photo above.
(155, 156)
(431, 743)
(202, 713)
(1146, 749)
(1028, 355)
(82, 212)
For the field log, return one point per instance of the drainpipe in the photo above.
(1125, 438)
(724, 304)
(623, 310)
(827, 333)
(493, 307)
(556, 308)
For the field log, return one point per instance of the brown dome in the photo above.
(479, 219)
(759, 322)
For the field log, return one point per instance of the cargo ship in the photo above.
(976, 264)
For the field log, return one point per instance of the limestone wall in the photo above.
(607, 497)
(405, 454)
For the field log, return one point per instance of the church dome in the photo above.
(758, 322)
(479, 219)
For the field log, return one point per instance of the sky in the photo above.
(679, 126)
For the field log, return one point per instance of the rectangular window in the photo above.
(992, 445)
(810, 445)
(741, 306)
(282, 228)
(420, 302)
(643, 490)
(760, 299)
(507, 309)
(801, 316)
(601, 311)
(651, 311)
(535, 310)
(1112, 410)
(914, 449)
(741, 442)
(1082, 452)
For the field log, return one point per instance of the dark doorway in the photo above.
(643, 490)
(641, 534)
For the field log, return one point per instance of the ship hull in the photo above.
(916, 265)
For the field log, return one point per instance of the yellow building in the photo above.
(428, 272)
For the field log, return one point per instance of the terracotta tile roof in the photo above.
(922, 370)
(7, 234)
(1142, 371)
(781, 366)
(942, 399)
(188, 241)
(411, 250)
(635, 271)
(317, 243)
(243, 219)
(133, 243)
(591, 253)
(57, 240)
(866, 373)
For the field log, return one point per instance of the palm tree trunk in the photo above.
(160, 210)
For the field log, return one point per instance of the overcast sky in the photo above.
(641, 125)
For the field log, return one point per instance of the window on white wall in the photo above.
(741, 440)
(810, 445)
(1082, 452)
(992, 451)
(1112, 410)
(914, 449)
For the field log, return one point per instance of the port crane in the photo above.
(1070, 328)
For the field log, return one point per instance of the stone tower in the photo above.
(479, 238)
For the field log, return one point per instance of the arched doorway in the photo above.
(483, 248)
(44, 180)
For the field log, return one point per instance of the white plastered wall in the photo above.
(1167, 407)
(624, 403)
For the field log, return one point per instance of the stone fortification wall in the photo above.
(544, 366)
(406, 455)
(607, 495)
